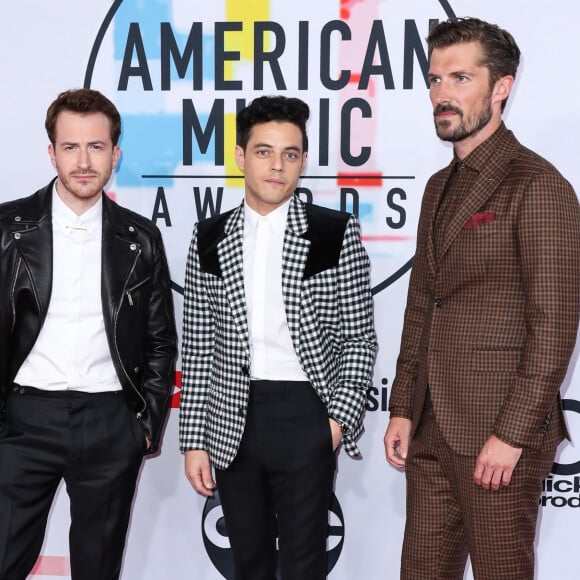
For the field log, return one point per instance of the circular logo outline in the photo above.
(400, 272)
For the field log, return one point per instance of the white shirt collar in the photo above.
(66, 219)
(277, 218)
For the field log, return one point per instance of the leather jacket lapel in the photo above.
(120, 252)
(32, 235)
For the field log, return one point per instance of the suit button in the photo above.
(246, 371)
(438, 302)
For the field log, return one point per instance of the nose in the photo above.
(84, 159)
(440, 93)
(277, 164)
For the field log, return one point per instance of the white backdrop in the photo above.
(46, 47)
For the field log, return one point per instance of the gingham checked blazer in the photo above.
(490, 324)
(325, 285)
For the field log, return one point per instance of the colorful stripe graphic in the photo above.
(247, 13)
(51, 566)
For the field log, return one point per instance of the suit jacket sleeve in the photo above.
(548, 238)
(197, 354)
(358, 338)
(418, 297)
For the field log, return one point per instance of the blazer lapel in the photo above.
(482, 189)
(231, 257)
(486, 183)
(294, 255)
(436, 190)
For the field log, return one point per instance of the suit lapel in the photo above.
(486, 183)
(436, 192)
(231, 257)
(294, 256)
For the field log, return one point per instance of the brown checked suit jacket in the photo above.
(491, 323)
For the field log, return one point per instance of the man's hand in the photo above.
(149, 442)
(496, 463)
(198, 472)
(336, 433)
(396, 441)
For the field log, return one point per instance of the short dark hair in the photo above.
(500, 55)
(276, 108)
(82, 101)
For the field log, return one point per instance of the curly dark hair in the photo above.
(275, 108)
(83, 101)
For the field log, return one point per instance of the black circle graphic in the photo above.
(215, 536)
(568, 468)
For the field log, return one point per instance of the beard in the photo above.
(467, 126)
(84, 191)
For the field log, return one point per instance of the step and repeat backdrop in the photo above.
(179, 70)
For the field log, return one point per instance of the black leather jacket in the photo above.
(135, 292)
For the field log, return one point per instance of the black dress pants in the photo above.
(280, 485)
(94, 443)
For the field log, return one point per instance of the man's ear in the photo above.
(240, 157)
(503, 87)
(52, 155)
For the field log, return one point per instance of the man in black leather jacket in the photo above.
(87, 348)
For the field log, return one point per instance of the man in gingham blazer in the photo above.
(278, 348)
(490, 325)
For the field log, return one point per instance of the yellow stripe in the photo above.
(247, 12)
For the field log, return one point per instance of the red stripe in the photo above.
(175, 398)
(51, 566)
(372, 179)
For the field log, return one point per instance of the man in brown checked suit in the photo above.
(490, 325)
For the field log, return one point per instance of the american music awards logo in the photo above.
(180, 70)
(179, 73)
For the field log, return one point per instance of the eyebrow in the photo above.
(97, 142)
(289, 148)
(455, 73)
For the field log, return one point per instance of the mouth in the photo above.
(446, 112)
(84, 176)
(274, 181)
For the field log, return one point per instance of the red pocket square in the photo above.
(480, 219)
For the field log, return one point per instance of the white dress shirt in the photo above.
(272, 353)
(71, 351)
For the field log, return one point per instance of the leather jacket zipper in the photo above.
(127, 292)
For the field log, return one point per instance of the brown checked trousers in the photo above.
(490, 326)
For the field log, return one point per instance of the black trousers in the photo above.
(94, 443)
(280, 485)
